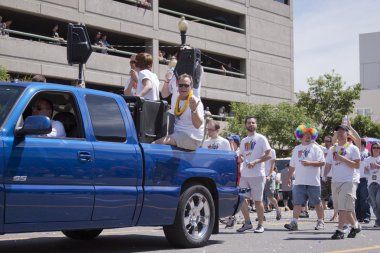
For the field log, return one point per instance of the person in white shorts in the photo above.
(254, 151)
(344, 161)
(189, 121)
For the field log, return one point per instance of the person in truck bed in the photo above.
(189, 122)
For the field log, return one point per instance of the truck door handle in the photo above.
(84, 156)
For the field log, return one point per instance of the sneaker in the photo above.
(354, 231)
(278, 215)
(231, 222)
(346, 227)
(286, 209)
(223, 221)
(337, 235)
(320, 225)
(264, 219)
(366, 220)
(259, 229)
(245, 227)
(293, 226)
(304, 214)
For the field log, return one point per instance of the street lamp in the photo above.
(182, 26)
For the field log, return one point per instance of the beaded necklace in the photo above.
(342, 151)
(180, 112)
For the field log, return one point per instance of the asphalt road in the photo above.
(151, 239)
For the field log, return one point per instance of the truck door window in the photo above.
(106, 118)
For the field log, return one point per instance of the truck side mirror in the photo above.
(35, 125)
(78, 44)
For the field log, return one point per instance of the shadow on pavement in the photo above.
(106, 243)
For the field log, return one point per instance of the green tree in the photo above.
(276, 122)
(4, 76)
(365, 126)
(327, 101)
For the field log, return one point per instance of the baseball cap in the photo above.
(234, 137)
(344, 127)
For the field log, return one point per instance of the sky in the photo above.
(326, 37)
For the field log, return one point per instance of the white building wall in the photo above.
(369, 44)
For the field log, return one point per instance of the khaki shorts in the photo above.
(184, 141)
(256, 184)
(344, 195)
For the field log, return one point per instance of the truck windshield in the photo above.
(8, 97)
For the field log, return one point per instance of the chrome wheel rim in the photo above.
(197, 216)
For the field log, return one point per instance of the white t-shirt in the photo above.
(374, 173)
(57, 129)
(184, 124)
(325, 152)
(307, 175)
(218, 143)
(363, 155)
(133, 90)
(268, 163)
(251, 148)
(153, 94)
(173, 89)
(341, 172)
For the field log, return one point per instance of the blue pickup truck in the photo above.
(105, 173)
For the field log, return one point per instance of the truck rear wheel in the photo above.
(194, 220)
(87, 234)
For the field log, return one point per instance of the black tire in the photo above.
(87, 234)
(194, 220)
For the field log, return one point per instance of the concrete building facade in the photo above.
(262, 49)
(369, 50)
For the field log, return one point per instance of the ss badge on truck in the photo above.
(20, 178)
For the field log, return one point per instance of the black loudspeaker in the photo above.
(189, 62)
(78, 44)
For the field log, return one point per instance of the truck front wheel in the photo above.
(87, 234)
(194, 220)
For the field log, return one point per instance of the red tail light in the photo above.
(237, 171)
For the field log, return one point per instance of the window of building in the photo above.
(107, 121)
(203, 14)
(283, 1)
(367, 112)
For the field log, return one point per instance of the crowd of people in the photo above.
(341, 170)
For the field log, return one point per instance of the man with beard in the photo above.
(254, 151)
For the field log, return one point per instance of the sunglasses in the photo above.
(376, 148)
(183, 85)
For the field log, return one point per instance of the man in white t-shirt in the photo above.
(189, 120)
(307, 158)
(170, 87)
(44, 107)
(344, 161)
(215, 141)
(254, 151)
(270, 184)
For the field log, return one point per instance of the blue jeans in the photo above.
(302, 193)
(374, 198)
(362, 209)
